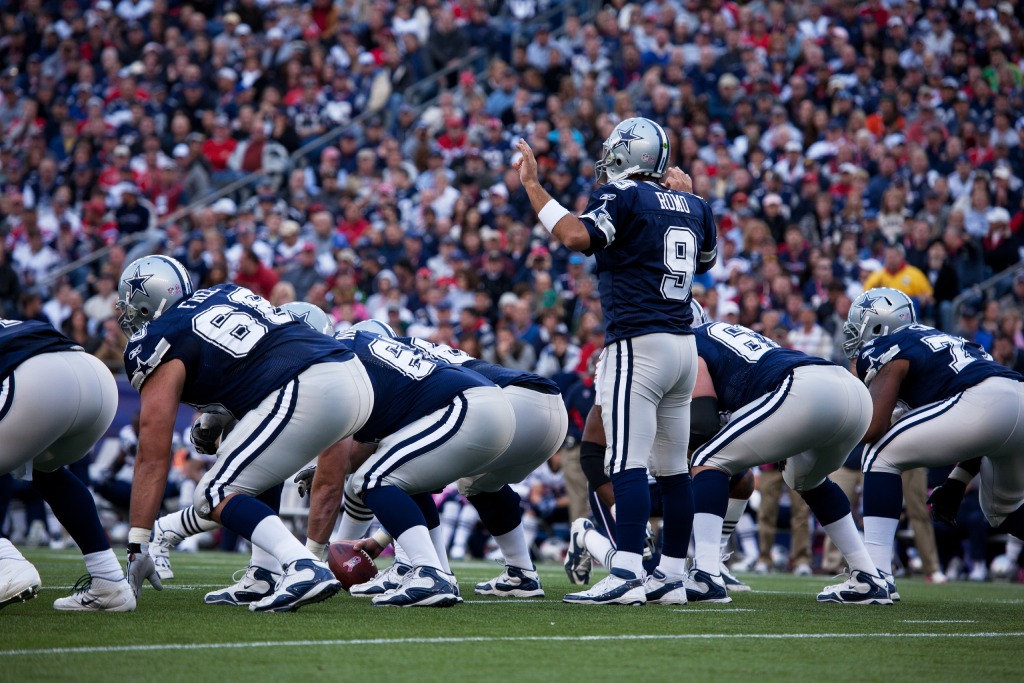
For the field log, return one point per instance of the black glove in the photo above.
(204, 438)
(305, 480)
(945, 501)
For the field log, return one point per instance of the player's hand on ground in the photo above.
(370, 546)
(305, 480)
(945, 501)
(141, 569)
(526, 164)
(677, 179)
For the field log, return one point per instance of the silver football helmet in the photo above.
(148, 287)
(636, 145)
(310, 314)
(700, 316)
(377, 327)
(876, 313)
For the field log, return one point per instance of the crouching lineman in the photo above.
(292, 391)
(541, 423)
(786, 406)
(55, 402)
(962, 405)
(417, 409)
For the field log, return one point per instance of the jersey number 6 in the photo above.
(681, 261)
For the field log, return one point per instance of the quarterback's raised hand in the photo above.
(526, 164)
(677, 179)
(141, 568)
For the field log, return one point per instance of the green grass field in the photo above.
(956, 632)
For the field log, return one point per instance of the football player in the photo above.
(55, 402)
(418, 408)
(541, 423)
(649, 241)
(292, 391)
(960, 404)
(785, 406)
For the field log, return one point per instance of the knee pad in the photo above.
(592, 464)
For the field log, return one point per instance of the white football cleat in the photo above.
(620, 587)
(662, 590)
(93, 594)
(890, 584)
(422, 587)
(19, 580)
(387, 580)
(164, 540)
(578, 560)
(254, 585)
(303, 583)
(704, 587)
(514, 582)
(860, 588)
(732, 584)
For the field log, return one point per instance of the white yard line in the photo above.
(939, 621)
(490, 639)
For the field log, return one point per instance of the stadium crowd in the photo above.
(841, 144)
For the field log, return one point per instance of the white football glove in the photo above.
(204, 437)
(141, 568)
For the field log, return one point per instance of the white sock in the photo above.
(400, 556)
(351, 529)
(417, 543)
(530, 527)
(746, 533)
(261, 558)
(598, 545)
(707, 534)
(514, 549)
(631, 562)
(468, 517)
(104, 565)
(733, 514)
(274, 537)
(450, 520)
(672, 567)
(844, 534)
(437, 538)
(176, 523)
(879, 535)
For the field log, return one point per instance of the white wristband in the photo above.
(382, 537)
(551, 214)
(961, 475)
(139, 535)
(316, 548)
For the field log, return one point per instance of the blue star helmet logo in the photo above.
(137, 283)
(869, 303)
(626, 138)
(300, 317)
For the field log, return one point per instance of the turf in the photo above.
(956, 632)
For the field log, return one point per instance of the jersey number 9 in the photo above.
(681, 261)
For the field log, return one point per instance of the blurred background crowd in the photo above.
(356, 154)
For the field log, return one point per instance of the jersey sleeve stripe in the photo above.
(709, 256)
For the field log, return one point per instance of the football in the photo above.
(350, 565)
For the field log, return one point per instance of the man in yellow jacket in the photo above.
(899, 274)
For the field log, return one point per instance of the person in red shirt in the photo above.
(254, 275)
(219, 147)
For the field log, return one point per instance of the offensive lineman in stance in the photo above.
(649, 242)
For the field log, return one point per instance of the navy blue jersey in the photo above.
(745, 365)
(941, 365)
(407, 383)
(649, 242)
(20, 340)
(500, 375)
(237, 349)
